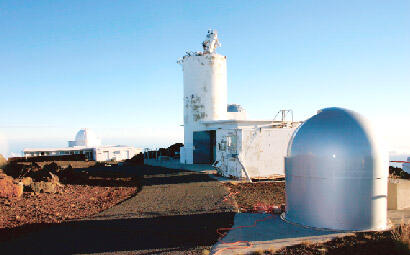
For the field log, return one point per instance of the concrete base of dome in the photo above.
(285, 218)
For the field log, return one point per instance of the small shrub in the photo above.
(397, 172)
(402, 235)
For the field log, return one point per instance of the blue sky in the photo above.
(111, 65)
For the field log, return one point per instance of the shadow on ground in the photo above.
(142, 174)
(133, 234)
(127, 231)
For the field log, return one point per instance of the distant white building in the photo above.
(220, 134)
(87, 142)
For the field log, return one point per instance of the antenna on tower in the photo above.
(284, 114)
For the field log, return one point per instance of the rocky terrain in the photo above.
(49, 206)
(258, 196)
(49, 193)
(175, 212)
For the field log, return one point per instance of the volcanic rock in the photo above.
(27, 181)
(10, 188)
(43, 187)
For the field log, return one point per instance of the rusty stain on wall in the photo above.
(197, 108)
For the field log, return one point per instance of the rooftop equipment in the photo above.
(336, 173)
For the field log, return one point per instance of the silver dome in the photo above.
(336, 173)
(86, 137)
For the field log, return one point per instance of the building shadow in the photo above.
(134, 176)
(170, 233)
(189, 177)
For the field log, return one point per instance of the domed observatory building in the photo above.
(88, 143)
(336, 173)
(220, 134)
(85, 137)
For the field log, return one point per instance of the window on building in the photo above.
(222, 146)
(231, 142)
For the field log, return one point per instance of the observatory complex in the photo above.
(336, 172)
(87, 142)
(219, 133)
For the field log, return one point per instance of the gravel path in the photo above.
(176, 212)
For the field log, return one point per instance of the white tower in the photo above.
(205, 90)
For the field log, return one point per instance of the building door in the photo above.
(204, 147)
(89, 155)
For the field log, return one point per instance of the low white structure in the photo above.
(336, 173)
(220, 134)
(87, 142)
(250, 149)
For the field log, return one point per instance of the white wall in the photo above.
(264, 149)
(227, 163)
(261, 151)
(236, 115)
(182, 155)
(115, 153)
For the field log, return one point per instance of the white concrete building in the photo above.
(87, 142)
(220, 134)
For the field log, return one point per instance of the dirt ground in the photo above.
(251, 196)
(71, 202)
(168, 212)
(175, 212)
(93, 193)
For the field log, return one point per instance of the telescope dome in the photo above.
(87, 138)
(336, 173)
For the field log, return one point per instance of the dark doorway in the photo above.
(204, 147)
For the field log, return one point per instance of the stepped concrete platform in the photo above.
(270, 232)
